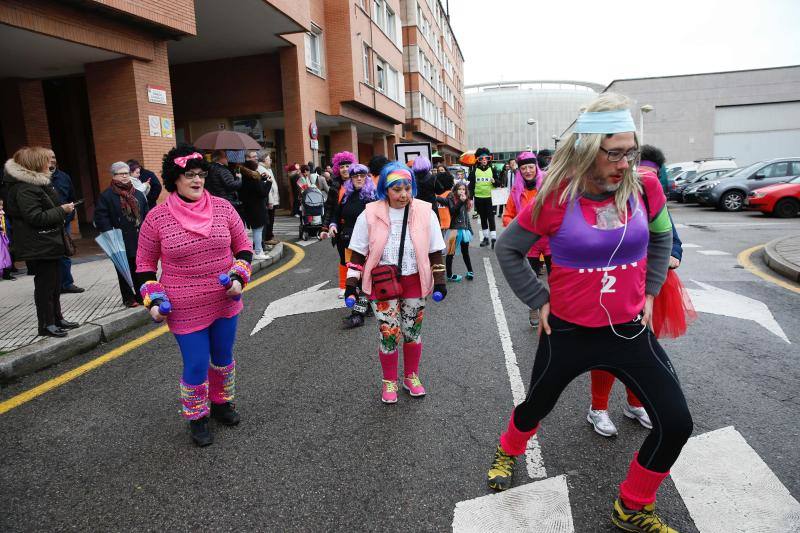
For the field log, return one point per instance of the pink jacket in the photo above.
(419, 217)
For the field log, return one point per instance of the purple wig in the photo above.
(367, 192)
(421, 165)
(342, 157)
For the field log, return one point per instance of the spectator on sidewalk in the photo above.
(254, 194)
(66, 194)
(39, 232)
(124, 207)
(220, 181)
(6, 262)
(147, 178)
(273, 200)
(293, 172)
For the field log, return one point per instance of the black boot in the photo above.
(52, 331)
(354, 320)
(493, 241)
(485, 242)
(201, 435)
(66, 324)
(225, 413)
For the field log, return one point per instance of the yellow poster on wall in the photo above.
(167, 128)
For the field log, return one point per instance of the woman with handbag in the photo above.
(397, 256)
(39, 233)
(124, 207)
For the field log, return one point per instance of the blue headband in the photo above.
(619, 121)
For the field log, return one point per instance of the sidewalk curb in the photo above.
(50, 351)
(776, 260)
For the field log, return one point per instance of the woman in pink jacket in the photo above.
(377, 240)
(197, 237)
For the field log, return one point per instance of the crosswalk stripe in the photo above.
(727, 487)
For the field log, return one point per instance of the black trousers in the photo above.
(641, 364)
(448, 261)
(129, 295)
(270, 225)
(536, 264)
(484, 208)
(47, 291)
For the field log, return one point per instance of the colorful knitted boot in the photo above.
(194, 403)
(222, 388)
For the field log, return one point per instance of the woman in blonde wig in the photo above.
(610, 238)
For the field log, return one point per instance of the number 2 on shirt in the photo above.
(608, 283)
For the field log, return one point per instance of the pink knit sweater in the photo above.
(191, 264)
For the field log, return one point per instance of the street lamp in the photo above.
(646, 108)
(531, 122)
(556, 140)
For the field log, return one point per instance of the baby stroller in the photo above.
(312, 207)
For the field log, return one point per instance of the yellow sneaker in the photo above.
(502, 471)
(644, 521)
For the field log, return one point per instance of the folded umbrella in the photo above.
(113, 245)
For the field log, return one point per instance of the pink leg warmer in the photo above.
(222, 383)
(389, 364)
(513, 441)
(194, 400)
(640, 486)
(602, 382)
(412, 352)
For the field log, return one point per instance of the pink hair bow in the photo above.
(181, 161)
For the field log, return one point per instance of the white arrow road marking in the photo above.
(533, 454)
(690, 245)
(721, 302)
(309, 300)
(712, 252)
(538, 507)
(728, 488)
(309, 242)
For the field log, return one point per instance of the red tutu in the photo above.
(672, 308)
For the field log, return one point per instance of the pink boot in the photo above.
(412, 352)
(389, 365)
(640, 486)
(514, 441)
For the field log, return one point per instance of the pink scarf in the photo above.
(196, 217)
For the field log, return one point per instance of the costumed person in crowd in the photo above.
(482, 179)
(124, 207)
(602, 238)
(375, 165)
(428, 184)
(273, 200)
(459, 234)
(601, 381)
(254, 194)
(357, 192)
(397, 258)
(6, 261)
(525, 185)
(544, 156)
(197, 237)
(341, 173)
(39, 233)
(149, 179)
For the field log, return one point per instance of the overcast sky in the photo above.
(600, 41)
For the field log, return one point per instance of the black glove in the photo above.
(441, 287)
(350, 291)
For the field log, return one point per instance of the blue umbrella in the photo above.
(113, 245)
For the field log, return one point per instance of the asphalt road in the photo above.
(317, 451)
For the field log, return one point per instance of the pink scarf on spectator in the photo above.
(196, 217)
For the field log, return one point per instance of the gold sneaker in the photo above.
(502, 471)
(644, 521)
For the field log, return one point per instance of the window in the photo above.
(381, 68)
(367, 67)
(378, 13)
(776, 170)
(391, 24)
(314, 58)
(393, 89)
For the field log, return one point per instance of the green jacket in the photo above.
(35, 210)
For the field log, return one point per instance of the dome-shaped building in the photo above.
(498, 114)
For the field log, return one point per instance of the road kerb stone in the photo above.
(117, 324)
(49, 352)
(778, 261)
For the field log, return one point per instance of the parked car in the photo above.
(693, 177)
(729, 194)
(700, 165)
(689, 193)
(782, 200)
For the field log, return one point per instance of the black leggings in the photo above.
(640, 364)
(46, 291)
(536, 264)
(484, 208)
(465, 253)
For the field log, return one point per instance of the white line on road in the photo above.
(727, 487)
(307, 243)
(533, 454)
(712, 252)
(539, 507)
(689, 245)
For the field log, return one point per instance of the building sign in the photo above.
(156, 94)
(407, 152)
(167, 128)
(314, 144)
(313, 132)
(155, 125)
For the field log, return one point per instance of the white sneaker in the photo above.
(260, 256)
(341, 293)
(602, 423)
(639, 414)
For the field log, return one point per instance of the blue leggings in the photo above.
(214, 343)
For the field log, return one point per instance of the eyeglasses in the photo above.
(616, 155)
(192, 175)
(122, 174)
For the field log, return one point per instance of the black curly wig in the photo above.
(170, 171)
(651, 153)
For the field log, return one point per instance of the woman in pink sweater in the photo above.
(196, 237)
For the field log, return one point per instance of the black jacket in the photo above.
(459, 214)
(108, 215)
(331, 202)
(253, 195)
(148, 176)
(38, 218)
(222, 183)
(62, 183)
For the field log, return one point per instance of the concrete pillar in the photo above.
(23, 115)
(345, 139)
(119, 110)
(391, 140)
(379, 144)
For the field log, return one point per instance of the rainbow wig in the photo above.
(421, 165)
(392, 174)
(367, 192)
(342, 157)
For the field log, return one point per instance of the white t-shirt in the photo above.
(359, 241)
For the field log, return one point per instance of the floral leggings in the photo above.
(395, 317)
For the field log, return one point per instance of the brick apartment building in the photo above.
(107, 80)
